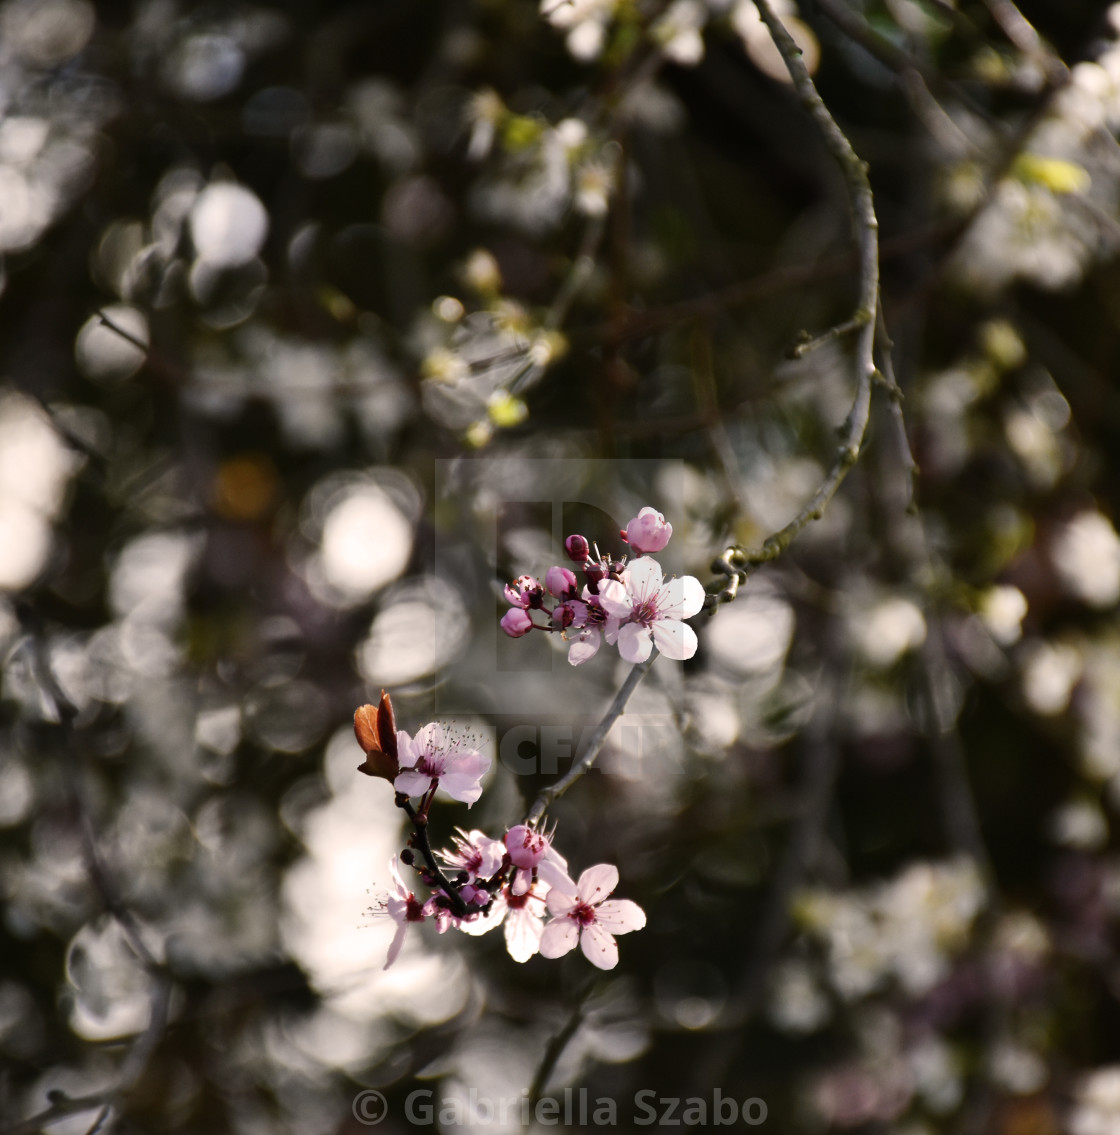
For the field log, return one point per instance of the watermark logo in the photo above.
(573, 1107)
(369, 1107)
(651, 743)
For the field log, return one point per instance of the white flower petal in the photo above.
(559, 936)
(674, 639)
(682, 598)
(597, 882)
(598, 946)
(620, 916)
(523, 934)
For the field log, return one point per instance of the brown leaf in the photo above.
(376, 730)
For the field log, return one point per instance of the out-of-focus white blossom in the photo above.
(1002, 609)
(906, 929)
(1079, 824)
(228, 225)
(1086, 554)
(1096, 1104)
(585, 21)
(1049, 673)
(679, 32)
(888, 630)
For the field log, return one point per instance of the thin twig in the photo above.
(587, 758)
(807, 343)
(890, 382)
(737, 563)
(555, 1049)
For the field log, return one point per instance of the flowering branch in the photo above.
(594, 745)
(736, 564)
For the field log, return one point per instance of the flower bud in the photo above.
(595, 573)
(578, 548)
(559, 581)
(649, 531)
(516, 622)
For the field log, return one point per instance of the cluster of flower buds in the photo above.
(520, 881)
(629, 603)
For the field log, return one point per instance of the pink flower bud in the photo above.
(516, 622)
(559, 581)
(526, 846)
(649, 531)
(578, 548)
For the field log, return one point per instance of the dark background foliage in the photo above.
(397, 295)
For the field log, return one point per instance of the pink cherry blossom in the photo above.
(476, 853)
(524, 591)
(649, 531)
(585, 913)
(402, 906)
(526, 846)
(435, 755)
(645, 611)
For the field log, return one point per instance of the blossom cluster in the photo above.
(520, 881)
(629, 603)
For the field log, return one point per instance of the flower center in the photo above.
(583, 913)
(431, 764)
(644, 613)
(414, 911)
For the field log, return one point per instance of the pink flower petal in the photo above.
(553, 871)
(396, 944)
(645, 577)
(615, 598)
(635, 643)
(598, 946)
(412, 783)
(675, 640)
(407, 753)
(620, 916)
(558, 938)
(559, 902)
(596, 883)
(583, 648)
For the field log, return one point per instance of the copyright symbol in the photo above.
(370, 1107)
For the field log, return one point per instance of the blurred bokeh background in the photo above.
(320, 322)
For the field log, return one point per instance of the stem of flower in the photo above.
(421, 843)
(594, 745)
